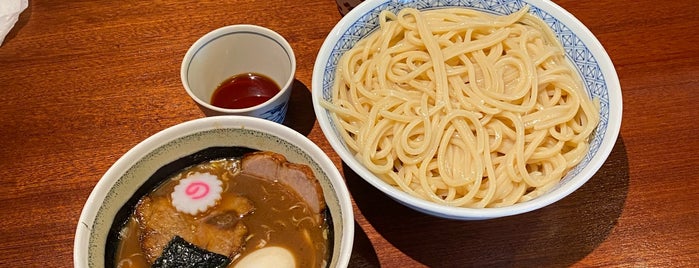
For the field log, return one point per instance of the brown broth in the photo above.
(280, 218)
(244, 90)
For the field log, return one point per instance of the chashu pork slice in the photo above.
(223, 233)
(274, 167)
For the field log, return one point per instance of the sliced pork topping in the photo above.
(221, 233)
(274, 167)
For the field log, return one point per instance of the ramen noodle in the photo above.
(463, 108)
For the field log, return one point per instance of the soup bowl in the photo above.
(582, 49)
(188, 143)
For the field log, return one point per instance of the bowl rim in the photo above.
(107, 181)
(608, 140)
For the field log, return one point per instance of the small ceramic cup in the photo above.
(234, 50)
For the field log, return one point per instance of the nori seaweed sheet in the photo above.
(180, 253)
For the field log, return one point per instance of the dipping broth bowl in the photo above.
(581, 47)
(194, 141)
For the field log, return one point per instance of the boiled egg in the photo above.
(277, 257)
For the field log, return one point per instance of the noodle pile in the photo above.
(463, 108)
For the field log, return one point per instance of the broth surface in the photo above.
(244, 90)
(280, 217)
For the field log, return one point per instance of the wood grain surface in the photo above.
(81, 82)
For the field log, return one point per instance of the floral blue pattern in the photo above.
(277, 113)
(575, 48)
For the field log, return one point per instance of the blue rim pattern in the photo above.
(576, 51)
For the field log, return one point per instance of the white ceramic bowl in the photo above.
(582, 48)
(133, 169)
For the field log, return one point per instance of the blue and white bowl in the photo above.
(581, 47)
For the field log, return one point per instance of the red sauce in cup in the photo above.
(244, 91)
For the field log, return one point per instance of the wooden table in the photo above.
(81, 82)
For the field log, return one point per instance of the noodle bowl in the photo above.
(459, 108)
(462, 107)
